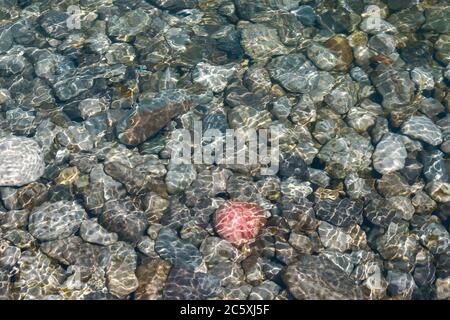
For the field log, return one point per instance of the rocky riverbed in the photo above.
(93, 205)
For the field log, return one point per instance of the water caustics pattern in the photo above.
(96, 100)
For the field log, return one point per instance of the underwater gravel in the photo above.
(93, 207)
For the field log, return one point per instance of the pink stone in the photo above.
(239, 222)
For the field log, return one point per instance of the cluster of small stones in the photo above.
(93, 207)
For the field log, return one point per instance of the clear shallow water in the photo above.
(95, 99)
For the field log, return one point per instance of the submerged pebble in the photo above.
(21, 161)
(56, 220)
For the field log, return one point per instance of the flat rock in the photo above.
(346, 153)
(422, 128)
(341, 239)
(437, 19)
(389, 155)
(176, 251)
(152, 277)
(213, 77)
(21, 161)
(261, 42)
(57, 220)
(317, 278)
(120, 270)
(151, 115)
(123, 218)
(396, 87)
(292, 72)
(91, 231)
(341, 212)
(183, 284)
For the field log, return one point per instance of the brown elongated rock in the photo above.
(152, 276)
(151, 115)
